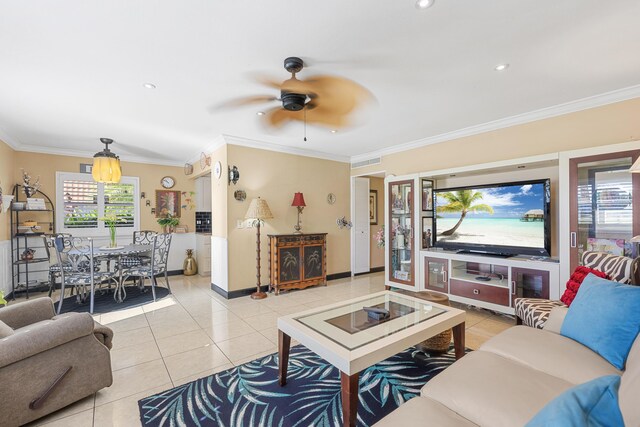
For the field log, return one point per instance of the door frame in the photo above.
(352, 232)
(564, 198)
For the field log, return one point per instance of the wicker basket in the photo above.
(438, 343)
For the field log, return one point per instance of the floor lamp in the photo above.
(258, 212)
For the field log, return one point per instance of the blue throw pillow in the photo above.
(604, 316)
(592, 404)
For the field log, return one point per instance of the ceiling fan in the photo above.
(323, 100)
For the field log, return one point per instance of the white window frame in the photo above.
(101, 230)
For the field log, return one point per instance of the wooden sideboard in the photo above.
(297, 261)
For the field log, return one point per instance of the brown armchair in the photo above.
(48, 362)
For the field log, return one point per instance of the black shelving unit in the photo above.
(22, 268)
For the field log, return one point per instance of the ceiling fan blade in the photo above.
(249, 100)
(324, 117)
(338, 94)
(278, 117)
(267, 81)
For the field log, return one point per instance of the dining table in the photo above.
(118, 253)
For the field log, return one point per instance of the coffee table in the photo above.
(344, 336)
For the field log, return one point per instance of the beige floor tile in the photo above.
(493, 326)
(262, 321)
(183, 342)
(171, 313)
(123, 339)
(226, 331)
(474, 338)
(120, 323)
(134, 355)
(208, 320)
(202, 374)
(74, 408)
(129, 381)
(170, 328)
(245, 346)
(81, 419)
(194, 361)
(255, 356)
(202, 305)
(124, 412)
(252, 309)
(283, 311)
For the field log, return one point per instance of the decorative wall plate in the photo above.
(240, 195)
(217, 169)
(331, 198)
(204, 160)
(188, 168)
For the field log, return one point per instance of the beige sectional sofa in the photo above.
(512, 377)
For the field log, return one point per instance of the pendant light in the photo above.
(106, 165)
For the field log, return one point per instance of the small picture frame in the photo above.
(427, 232)
(427, 196)
(373, 207)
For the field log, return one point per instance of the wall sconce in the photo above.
(234, 175)
(298, 202)
(342, 223)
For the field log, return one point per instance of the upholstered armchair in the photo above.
(534, 312)
(48, 362)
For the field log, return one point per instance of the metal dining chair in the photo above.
(142, 237)
(157, 266)
(78, 268)
(54, 266)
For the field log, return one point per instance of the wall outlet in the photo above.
(240, 224)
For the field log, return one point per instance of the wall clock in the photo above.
(217, 169)
(167, 182)
(331, 198)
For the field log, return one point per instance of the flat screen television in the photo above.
(502, 219)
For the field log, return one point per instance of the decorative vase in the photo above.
(112, 237)
(190, 266)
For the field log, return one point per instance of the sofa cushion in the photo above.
(593, 404)
(421, 411)
(482, 385)
(575, 281)
(551, 353)
(619, 268)
(555, 320)
(5, 330)
(630, 387)
(604, 317)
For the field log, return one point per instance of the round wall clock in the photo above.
(331, 198)
(167, 182)
(217, 169)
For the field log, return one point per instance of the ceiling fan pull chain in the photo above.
(305, 124)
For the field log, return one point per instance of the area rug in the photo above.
(104, 302)
(249, 395)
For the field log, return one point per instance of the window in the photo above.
(81, 202)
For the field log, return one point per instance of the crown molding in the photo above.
(89, 155)
(261, 145)
(612, 97)
(218, 142)
(10, 141)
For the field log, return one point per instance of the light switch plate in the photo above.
(240, 224)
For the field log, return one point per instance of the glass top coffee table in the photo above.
(344, 335)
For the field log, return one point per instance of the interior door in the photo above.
(605, 213)
(361, 226)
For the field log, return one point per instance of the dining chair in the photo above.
(78, 268)
(157, 266)
(142, 237)
(54, 266)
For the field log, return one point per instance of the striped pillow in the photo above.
(618, 268)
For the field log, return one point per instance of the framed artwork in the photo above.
(427, 233)
(373, 207)
(427, 196)
(167, 203)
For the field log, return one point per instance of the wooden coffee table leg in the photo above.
(284, 344)
(349, 399)
(458, 340)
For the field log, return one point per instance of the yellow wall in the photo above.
(275, 177)
(46, 165)
(610, 124)
(376, 257)
(7, 181)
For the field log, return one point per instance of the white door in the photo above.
(361, 226)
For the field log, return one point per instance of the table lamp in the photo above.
(258, 211)
(298, 202)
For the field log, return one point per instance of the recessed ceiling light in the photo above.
(333, 131)
(149, 85)
(260, 113)
(424, 4)
(501, 67)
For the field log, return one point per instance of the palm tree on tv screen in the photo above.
(462, 201)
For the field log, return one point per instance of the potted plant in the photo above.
(110, 221)
(168, 223)
(2, 300)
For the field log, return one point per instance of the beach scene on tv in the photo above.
(510, 215)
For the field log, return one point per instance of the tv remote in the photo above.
(375, 310)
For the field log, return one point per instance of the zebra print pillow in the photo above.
(619, 268)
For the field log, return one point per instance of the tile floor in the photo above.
(195, 333)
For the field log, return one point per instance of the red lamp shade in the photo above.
(298, 200)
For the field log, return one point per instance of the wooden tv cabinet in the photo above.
(297, 261)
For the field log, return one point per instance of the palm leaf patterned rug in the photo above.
(249, 395)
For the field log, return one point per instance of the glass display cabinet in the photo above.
(401, 232)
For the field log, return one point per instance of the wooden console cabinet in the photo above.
(297, 261)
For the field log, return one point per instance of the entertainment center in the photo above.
(482, 237)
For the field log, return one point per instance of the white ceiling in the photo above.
(72, 71)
